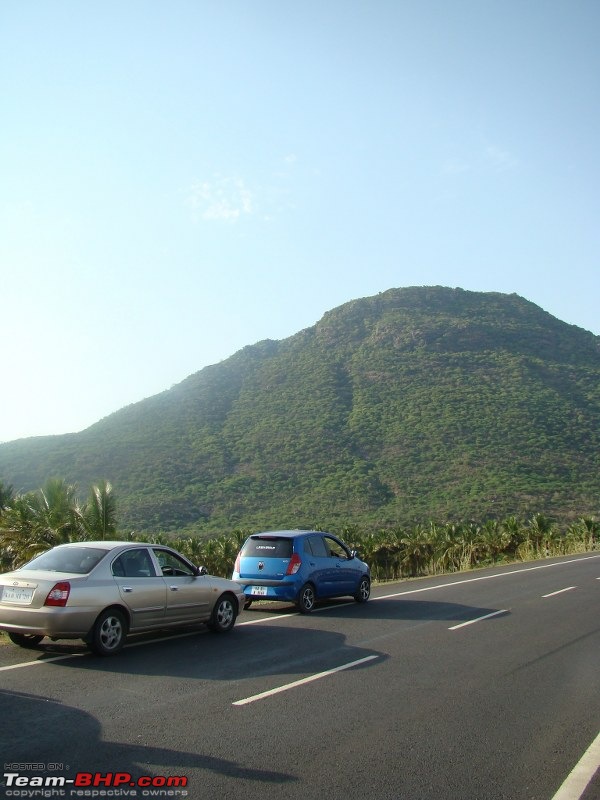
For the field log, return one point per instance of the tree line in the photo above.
(35, 521)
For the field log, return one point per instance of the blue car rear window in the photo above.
(270, 547)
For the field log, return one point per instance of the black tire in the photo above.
(223, 615)
(25, 639)
(306, 599)
(109, 633)
(247, 604)
(364, 590)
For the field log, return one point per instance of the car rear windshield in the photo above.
(268, 547)
(79, 560)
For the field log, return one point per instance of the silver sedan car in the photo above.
(101, 591)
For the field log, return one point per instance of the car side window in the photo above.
(317, 546)
(336, 549)
(133, 564)
(171, 565)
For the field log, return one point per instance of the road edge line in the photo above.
(582, 773)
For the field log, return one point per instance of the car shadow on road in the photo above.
(64, 740)
(393, 609)
(262, 631)
(386, 608)
(198, 654)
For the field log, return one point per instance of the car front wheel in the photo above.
(364, 590)
(224, 613)
(109, 634)
(306, 598)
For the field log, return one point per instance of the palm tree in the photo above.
(239, 536)
(370, 545)
(445, 538)
(37, 521)
(393, 550)
(226, 550)
(541, 530)
(456, 546)
(191, 547)
(7, 496)
(18, 525)
(211, 556)
(583, 534)
(417, 550)
(516, 533)
(59, 512)
(494, 538)
(100, 512)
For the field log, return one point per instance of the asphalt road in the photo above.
(483, 685)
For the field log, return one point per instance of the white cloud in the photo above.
(220, 199)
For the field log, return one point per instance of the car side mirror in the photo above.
(201, 571)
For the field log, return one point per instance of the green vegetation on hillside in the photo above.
(31, 523)
(414, 405)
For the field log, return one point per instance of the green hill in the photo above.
(416, 404)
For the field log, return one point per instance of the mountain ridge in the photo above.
(413, 404)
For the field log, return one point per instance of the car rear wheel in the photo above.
(364, 590)
(224, 613)
(24, 639)
(306, 599)
(109, 634)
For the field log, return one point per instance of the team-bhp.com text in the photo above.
(95, 784)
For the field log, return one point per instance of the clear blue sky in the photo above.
(181, 178)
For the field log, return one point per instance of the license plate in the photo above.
(17, 594)
(260, 590)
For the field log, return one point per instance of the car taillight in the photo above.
(236, 567)
(59, 594)
(294, 565)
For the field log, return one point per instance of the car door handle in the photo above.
(128, 588)
(173, 588)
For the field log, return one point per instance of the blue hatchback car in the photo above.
(301, 567)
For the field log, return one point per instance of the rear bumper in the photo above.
(57, 623)
(276, 590)
(245, 582)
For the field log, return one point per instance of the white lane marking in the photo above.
(484, 578)
(266, 619)
(478, 619)
(578, 779)
(300, 682)
(560, 591)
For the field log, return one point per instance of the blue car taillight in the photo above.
(294, 565)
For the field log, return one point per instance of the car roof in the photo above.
(286, 534)
(106, 544)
